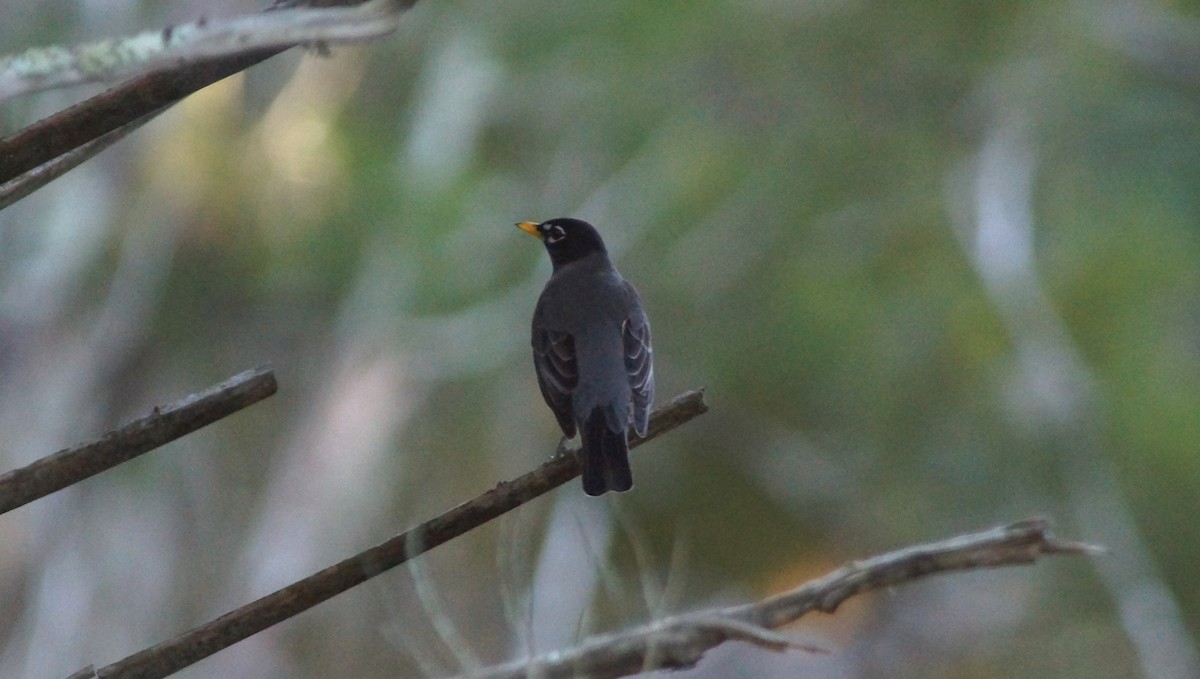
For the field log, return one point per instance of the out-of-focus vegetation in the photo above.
(935, 262)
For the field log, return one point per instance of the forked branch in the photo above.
(680, 641)
(163, 67)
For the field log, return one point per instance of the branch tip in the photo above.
(162, 425)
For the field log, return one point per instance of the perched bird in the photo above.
(591, 351)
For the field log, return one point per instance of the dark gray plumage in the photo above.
(591, 351)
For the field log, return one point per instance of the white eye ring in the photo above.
(555, 234)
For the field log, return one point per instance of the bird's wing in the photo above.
(639, 365)
(557, 373)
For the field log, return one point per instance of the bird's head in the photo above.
(566, 239)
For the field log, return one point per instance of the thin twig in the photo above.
(53, 136)
(27, 183)
(681, 641)
(205, 640)
(165, 424)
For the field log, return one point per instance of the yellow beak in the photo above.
(530, 228)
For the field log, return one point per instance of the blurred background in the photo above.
(936, 263)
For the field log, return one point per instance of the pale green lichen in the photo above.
(95, 60)
(38, 63)
(55, 66)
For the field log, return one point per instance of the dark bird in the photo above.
(591, 351)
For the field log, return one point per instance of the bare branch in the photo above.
(205, 640)
(681, 641)
(48, 67)
(27, 183)
(51, 137)
(165, 424)
(134, 101)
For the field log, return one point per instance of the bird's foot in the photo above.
(562, 449)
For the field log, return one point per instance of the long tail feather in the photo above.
(605, 457)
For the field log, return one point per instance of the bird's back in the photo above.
(589, 300)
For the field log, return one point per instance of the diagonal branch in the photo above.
(58, 134)
(140, 98)
(167, 423)
(43, 68)
(27, 183)
(680, 641)
(205, 640)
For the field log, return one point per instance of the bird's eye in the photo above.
(554, 234)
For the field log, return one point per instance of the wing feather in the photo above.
(557, 373)
(639, 366)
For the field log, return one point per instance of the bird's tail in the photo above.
(605, 456)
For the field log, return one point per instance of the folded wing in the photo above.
(557, 373)
(639, 366)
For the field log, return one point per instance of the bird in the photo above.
(592, 351)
